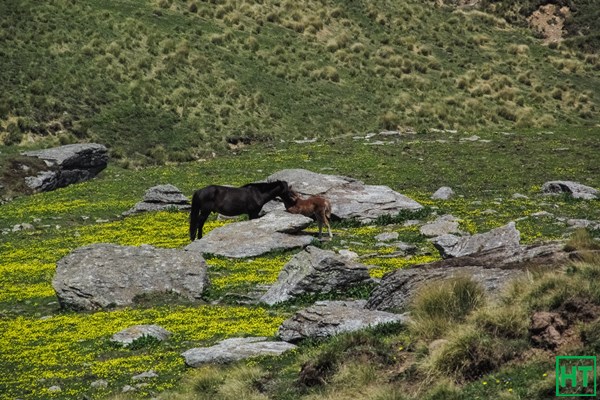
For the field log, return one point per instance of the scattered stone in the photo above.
(54, 389)
(328, 318)
(577, 190)
(145, 375)
(103, 276)
(315, 271)
(127, 388)
(161, 198)
(23, 227)
(583, 223)
(349, 197)
(542, 214)
(133, 333)
(519, 196)
(506, 237)
(443, 193)
(387, 236)
(99, 384)
(235, 349)
(443, 225)
(473, 138)
(68, 164)
(274, 231)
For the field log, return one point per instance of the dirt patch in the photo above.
(549, 22)
(557, 329)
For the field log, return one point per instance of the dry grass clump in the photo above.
(442, 303)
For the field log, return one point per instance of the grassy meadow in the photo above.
(194, 92)
(37, 337)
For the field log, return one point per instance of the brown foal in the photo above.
(316, 207)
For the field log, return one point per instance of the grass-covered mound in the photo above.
(172, 80)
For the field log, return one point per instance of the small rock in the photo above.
(577, 190)
(145, 375)
(387, 236)
(443, 193)
(54, 389)
(99, 384)
(349, 254)
(133, 333)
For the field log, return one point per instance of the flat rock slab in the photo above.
(67, 165)
(274, 231)
(315, 271)
(506, 236)
(577, 190)
(133, 333)
(103, 276)
(161, 198)
(235, 349)
(328, 318)
(349, 197)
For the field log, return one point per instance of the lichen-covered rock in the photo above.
(133, 333)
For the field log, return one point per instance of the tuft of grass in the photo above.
(441, 303)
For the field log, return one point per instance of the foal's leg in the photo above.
(320, 227)
(328, 228)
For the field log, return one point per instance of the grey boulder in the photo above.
(349, 197)
(314, 271)
(67, 164)
(103, 276)
(577, 190)
(506, 236)
(133, 333)
(235, 349)
(328, 318)
(161, 198)
(274, 231)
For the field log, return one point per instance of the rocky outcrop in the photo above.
(492, 269)
(133, 333)
(68, 164)
(506, 237)
(577, 190)
(161, 198)
(349, 197)
(235, 349)
(328, 318)
(314, 271)
(103, 276)
(274, 231)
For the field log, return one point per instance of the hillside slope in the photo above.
(175, 80)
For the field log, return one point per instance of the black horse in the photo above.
(230, 201)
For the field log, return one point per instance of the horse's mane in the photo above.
(264, 185)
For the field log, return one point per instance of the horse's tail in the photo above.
(194, 214)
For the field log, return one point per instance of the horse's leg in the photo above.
(201, 220)
(328, 228)
(194, 215)
(320, 227)
(253, 214)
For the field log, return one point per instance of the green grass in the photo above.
(158, 82)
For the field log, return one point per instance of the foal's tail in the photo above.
(194, 214)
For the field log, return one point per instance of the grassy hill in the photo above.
(171, 80)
